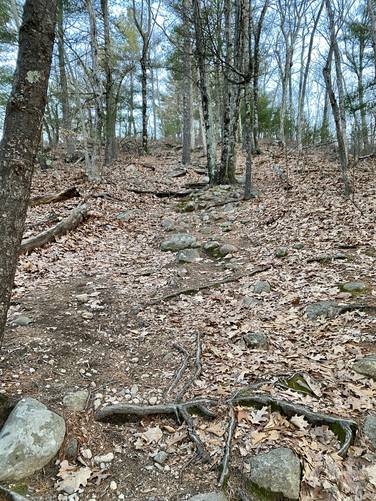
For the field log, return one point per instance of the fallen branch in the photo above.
(52, 198)
(344, 429)
(76, 216)
(210, 285)
(161, 194)
(198, 369)
(227, 452)
(365, 157)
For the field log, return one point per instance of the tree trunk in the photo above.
(187, 86)
(110, 119)
(203, 84)
(64, 95)
(22, 130)
(144, 102)
(372, 16)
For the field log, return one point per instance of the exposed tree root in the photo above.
(326, 258)
(227, 452)
(51, 198)
(181, 412)
(345, 429)
(197, 372)
(367, 308)
(8, 495)
(198, 288)
(76, 216)
(182, 368)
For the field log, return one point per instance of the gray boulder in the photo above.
(177, 242)
(369, 429)
(261, 286)
(324, 309)
(188, 256)
(275, 475)
(356, 287)
(209, 496)
(76, 400)
(366, 366)
(29, 439)
(256, 340)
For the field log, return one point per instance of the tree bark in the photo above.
(22, 132)
(187, 86)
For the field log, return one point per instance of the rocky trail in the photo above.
(197, 344)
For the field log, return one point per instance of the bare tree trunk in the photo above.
(67, 118)
(305, 72)
(187, 86)
(111, 105)
(22, 129)
(153, 102)
(203, 84)
(372, 16)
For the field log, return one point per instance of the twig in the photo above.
(227, 452)
(198, 369)
(161, 194)
(201, 451)
(182, 368)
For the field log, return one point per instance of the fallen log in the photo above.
(52, 198)
(76, 216)
(344, 429)
(161, 194)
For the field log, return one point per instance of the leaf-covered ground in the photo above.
(88, 297)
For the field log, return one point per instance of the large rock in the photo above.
(369, 429)
(29, 439)
(209, 496)
(76, 400)
(177, 242)
(324, 309)
(366, 366)
(275, 475)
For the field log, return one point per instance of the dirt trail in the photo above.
(83, 294)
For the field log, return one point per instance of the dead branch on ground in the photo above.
(227, 451)
(197, 372)
(51, 198)
(161, 194)
(76, 216)
(182, 368)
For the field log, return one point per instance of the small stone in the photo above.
(97, 403)
(22, 321)
(226, 249)
(250, 301)
(153, 400)
(298, 246)
(261, 286)
(160, 457)
(86, 453)
(276, 474)
(281, 252)
(113, 485)
(209, 496)
(87, 315)
(177, 242)
(325, 309)
(82, 298)
(188, 256)
(71, 449)
(256, 340)
(211, 248)
(124, 216)
(134, 390)
(189, 206)
(76, 401)
(369, 429)
(104, 458)
(366, 366)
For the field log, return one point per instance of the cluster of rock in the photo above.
(187, 247)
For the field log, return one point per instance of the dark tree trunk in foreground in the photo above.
(22, 132)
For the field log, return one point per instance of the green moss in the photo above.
(19, 488)
(262, 494)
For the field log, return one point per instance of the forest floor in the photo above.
(92, 328)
